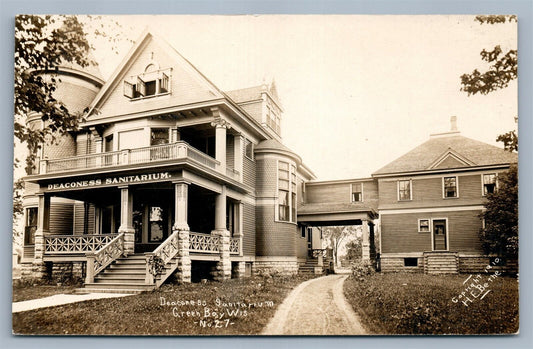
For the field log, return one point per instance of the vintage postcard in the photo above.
(265, 175)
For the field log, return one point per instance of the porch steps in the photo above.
(125, 275)
(310, 267)
(440, 263)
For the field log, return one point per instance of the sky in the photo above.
(357, 91)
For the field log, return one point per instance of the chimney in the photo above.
(453, 124)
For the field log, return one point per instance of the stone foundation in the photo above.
(271, 265)
(67, 271)
(477, 264)
(238, 270)
(397, 264)
(32, 271)
(468, 264)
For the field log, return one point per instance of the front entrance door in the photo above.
(439, 235)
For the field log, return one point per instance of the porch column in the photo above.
(183, 271)
(43, 228)
(366, 240)
(126, 219)
(238, 155)
(221, 126)
(223, 268)
(181, 190)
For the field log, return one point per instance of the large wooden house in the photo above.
(169, 175)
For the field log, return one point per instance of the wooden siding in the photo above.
(267, 176)
(274, 238)
(427, 192)
(342, 193)
(78, 219)
(399, 232)
(60, 218)
(301, 244)
(249, 167)
(230, 155)
(248, 240)
(63, 147)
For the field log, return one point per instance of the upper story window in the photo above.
(490, 183)
(357, 192)
(286, 192)
(423, 225)
(450, 189)
(273, 118)
(404, 190)
(249, 149)
(159, 136)
(148, 84)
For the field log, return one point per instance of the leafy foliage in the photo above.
(335, 235)
(500, 234)
(503, 70)
(42, 43)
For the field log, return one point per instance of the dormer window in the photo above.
(148, 84)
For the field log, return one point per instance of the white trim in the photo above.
(483, 182)
(410, 189)
(362, 192)
(439, 172)
(432, 209)
(429, 225)
(433, 233)
(403, 255)
(456, 187)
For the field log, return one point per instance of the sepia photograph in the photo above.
(265, 175)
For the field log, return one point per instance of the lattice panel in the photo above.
(65, 244)
(203, 243)
(234, 245)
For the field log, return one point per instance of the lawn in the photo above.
(238, 306)
(431, 304)
(24, 292)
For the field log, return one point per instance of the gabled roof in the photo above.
(144, 38)
(429, 155)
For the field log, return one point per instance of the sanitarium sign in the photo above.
(149, 177)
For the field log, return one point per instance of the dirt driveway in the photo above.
(316, 307)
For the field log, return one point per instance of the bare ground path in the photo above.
(316, 307)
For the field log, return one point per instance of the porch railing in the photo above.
(98, 261)
(158, 261)
(71, 244)
(205, 243)
(173, 151)
(235, 245)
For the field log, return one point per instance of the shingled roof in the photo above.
(468, 152)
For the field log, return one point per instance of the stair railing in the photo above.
(99, 260)
(161, 257)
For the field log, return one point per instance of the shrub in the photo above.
(361, 269)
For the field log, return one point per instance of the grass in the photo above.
(145, 314)
(425, 304)
(24, 292)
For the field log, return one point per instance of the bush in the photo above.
(361, 269)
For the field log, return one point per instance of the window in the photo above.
(423, 225)
(410, 262)
(31, 226)
(450, 187)
(286, 192)
(148, 84)
(357, 192)
(304, 230)
(249, 149)
(404, 190)
(489, 183)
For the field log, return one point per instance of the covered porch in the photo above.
(169, 214)
(340, 214)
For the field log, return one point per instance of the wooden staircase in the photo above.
(437, 262)
(125, 275)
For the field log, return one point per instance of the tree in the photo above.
(334, 236)
(500, 234)
(42, 44)
(502, 70)
(354, 249)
